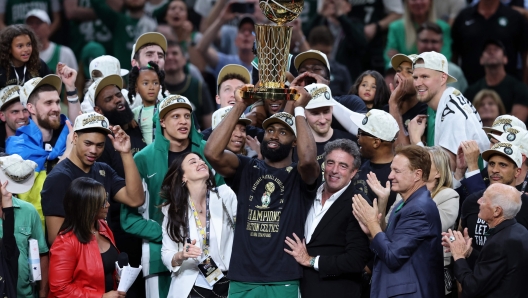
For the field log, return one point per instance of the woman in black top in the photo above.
(19, 56)
(8, 248)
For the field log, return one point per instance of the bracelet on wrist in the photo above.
(299, 111)
(73, 99)
(71, 93)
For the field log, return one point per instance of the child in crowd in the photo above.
(19, 56)
(371, 88)
(146, 82)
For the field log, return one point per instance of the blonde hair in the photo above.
(477, 100)
(440, 158)
(410, 29)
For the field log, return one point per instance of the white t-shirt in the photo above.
(66, 55)
(457, 120)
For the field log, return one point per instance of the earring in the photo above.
(183, 183)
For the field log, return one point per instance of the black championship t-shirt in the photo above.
(49, 164)
(58, 181)
(272, 204)
(382, 172)
(338, 134)
(173, 155)
(479, 229)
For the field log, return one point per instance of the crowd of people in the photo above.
(400, 169)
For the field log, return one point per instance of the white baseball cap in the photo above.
(39, 14)
(107, 65)
(311, 54)
(377, 123)
(8, 94)
(98, 85)
(221, 113)
(149, 37)
(398, 59)
(30, 86)
(435, 61)
(321, 96)
(92, 120)
(19, 173)
(503, 122)
(517, 136)
(283, 118)
(232, 69)
(505, 149)
(172, 102)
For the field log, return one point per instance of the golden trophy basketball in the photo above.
(273, 47)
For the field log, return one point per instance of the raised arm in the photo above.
(132, 194)
(224, 161)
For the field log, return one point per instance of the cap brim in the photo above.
(107, 81)
(52, 80)
(299, 59)
(358, 120)
(272, 120)
(486, 155)
(124, 72)
(233, 68)
(326, 103)
(398, 59)
(171, 107)
(17, 187)
(150, 37)
(246, 121)
(489, 130)
(450, 79)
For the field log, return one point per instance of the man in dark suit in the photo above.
(501, 267)
(335, 250)
(408, 257)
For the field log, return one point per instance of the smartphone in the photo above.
(240, 7)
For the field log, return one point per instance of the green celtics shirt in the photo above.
(129, 30)
(83, 32)
(272, 203)
(15, 10)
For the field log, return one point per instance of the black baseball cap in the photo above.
(493, 41)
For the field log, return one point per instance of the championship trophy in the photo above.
(273, 47)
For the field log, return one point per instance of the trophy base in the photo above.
(271, 93)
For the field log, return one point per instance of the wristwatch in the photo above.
(312, 262)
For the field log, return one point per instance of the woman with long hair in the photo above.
(401, 37)
(489, 106)
(19, 56)
(198, 227)
(83, 256)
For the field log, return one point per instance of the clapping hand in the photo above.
(459, 245)
(376, 187)
(365, 214)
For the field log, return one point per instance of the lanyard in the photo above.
(23, 77)
(204, 232)
(153, 122)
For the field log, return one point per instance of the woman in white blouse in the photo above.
(198, 227)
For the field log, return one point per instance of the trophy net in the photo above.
(273, 46)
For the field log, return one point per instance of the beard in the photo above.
(46, 123)
(120, 118)
(275, 155)
(134, 8)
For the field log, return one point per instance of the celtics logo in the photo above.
(327, 95)
(506, 126)
(511, 137)
(289, 121)
(104, 124)
(180, 100)
(365, 120)
(266, 197)
(508, 150)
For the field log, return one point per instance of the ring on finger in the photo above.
(452, 238)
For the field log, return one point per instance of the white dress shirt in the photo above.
(316, 213)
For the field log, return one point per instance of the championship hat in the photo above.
(9, 94)
(30, 86)
(502, 123)
(311, 54)
(435, 61)
(19, 173)
(517, 136)
(377, 123)
(505, 149)
(172, 102)
(92, 120)
(283, 118)
(99, 84)
(221, 113)
(106, 65)
(321, 96)
(398, 59)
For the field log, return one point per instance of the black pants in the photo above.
(220, 290)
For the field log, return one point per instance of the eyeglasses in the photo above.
(364, 134)
(105, 202)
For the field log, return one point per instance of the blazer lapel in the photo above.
(215, 207)
(336, 208)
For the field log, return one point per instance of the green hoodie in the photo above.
(145, 221)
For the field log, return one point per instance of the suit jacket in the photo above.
(343, 251)
(408, 259)
(501, 267)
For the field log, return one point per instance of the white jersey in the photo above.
(457, 120)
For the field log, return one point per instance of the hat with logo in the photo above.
(311, 54)
(8, 94)
(149, 37)
(435, 61)
(377, 123)
(283, 118)
(502, 123)
(99, 84)
(232, 69)
(19, 173)
(221, 113)
(30, 86)
(39, 14)
(172, 102)
(505, 149)
(92, 120)
(515, 135)
(321, 96)
(106, 65)
(398, 59)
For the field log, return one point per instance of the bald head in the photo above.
(505, 196)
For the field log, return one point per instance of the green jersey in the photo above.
(15, 10)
